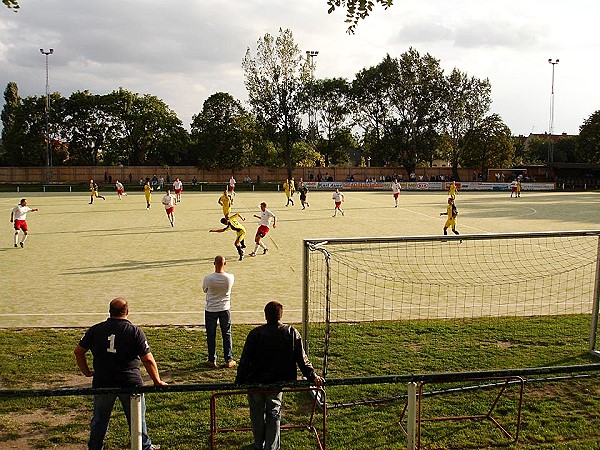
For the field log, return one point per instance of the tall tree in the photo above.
(221, 133)
(488, 144)
(415, 90)
(371, 109)
(146, 131)
(588, 147)
(466, 101)
(24, 133)
(331, 100)
(12, 132)
(275, 80)
(88, 128)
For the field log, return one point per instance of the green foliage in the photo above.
(588, 146)
(307, 155)
(222, 134)
(11, 4)
(466, 101)
(146, 131)
(356, 9)
(276, 79)
(331, 98)
(488, 144)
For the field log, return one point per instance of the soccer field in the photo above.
(80, 256)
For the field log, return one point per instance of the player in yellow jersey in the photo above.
(226, 201)
(452, 213)
(94, 192)
(148, 194)
(452, 190)
(232, 223)
(287, 187)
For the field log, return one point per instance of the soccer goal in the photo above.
(375, 306)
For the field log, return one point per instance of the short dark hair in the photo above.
(273, 312)
(118, 307)
(224, 221)
(219, 261)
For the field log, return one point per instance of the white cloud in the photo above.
(183, 51)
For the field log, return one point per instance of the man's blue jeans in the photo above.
(103, 405)
(210, 322)
(265, 416)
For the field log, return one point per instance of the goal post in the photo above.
(436, 288)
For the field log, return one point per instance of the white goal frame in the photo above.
(322, 246)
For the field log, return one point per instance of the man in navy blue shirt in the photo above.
(118, 347)
(271, 354)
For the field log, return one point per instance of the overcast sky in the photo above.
(183, 51)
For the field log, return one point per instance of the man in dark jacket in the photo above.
(271, 354)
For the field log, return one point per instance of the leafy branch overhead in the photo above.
(356, 9)
(11, 4)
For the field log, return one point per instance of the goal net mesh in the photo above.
(358, 288)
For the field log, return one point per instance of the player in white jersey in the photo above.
(265, 222)
(178, 187)
(170, 201)
(338, 198)
(396, 191)
(120, 189)
(232, 186)
(18, 215)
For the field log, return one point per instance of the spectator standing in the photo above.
(271, 354)
(217, 287)
(117, 347)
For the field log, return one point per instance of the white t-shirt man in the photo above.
(169, 201)
(217, 287)
(337, 197)
(265, 218)
(177, 185)
(20, 212)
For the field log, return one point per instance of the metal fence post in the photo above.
(411, 425)
(135, 402)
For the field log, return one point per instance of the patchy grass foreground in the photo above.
(562, 414)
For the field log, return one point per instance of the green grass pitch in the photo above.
(80, 256)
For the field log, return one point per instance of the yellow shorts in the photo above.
(450, 223)
(240, 235)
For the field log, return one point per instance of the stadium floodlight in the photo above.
(47, 114)
(310, 55)
(551, 125)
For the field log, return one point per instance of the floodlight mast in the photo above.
(551, 124)
(312, 122)
(47, 114)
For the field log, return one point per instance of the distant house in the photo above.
(542, 137)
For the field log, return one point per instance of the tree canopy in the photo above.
(276, 78)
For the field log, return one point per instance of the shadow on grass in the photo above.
(137, 265)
